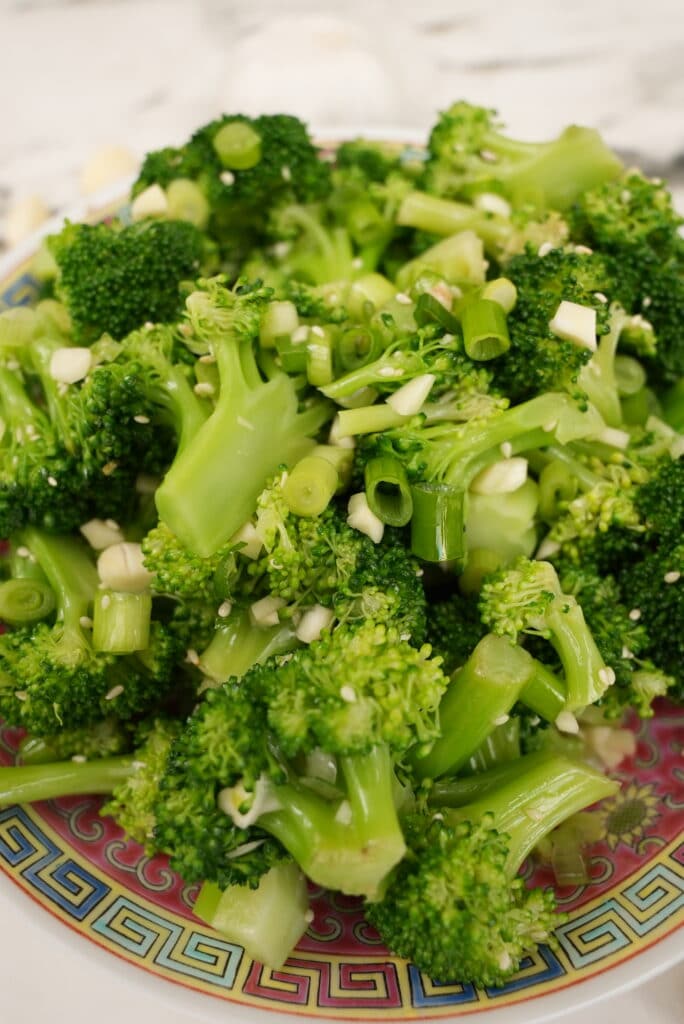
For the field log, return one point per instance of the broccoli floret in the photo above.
(622, 641)
(454, 628)
(244, 168)
(633, 223)
(131, 780)
(184, 574)
(454, 905)
(101, 739)
(53, 675)
(113, 278)
(528, 598)
(442, 460)
(468, 154)
(322, 560)
(211, 489)
(538, 360)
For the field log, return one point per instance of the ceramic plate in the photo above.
(622, 927)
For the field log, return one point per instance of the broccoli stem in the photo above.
(18, 410)
(268, 921)
(478, 697)
(586, 674)
(456, 456)
(237, 645)
(28, 783)
(597, 377)
(466, 789)
(350, 847)
(121, 621)
(536, 794)
(440, 216)
(212, 486)
(544, 693)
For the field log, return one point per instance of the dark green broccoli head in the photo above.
(454, 628)
(538, 360)
(114, 278)
(453, 909)
(184, 574)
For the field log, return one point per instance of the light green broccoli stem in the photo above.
(25, 784)
(479, 697)
(444, 217)
(237, 645)
(268, 921)
(455, 457)
(18, 410)
(212, 487)
(597, 377)
(352, 846)
(587, 677)
(466, 789)
(538, 794)
(121, 621)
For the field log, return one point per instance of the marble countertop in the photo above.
(80, 74)
(77, 75)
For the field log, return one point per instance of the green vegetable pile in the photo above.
(344, 499)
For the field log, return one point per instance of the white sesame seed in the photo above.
(192, 656)
(86, 622)
(501, 719)
(550, 426)
(105, 602)
(600, 296)
(79, 759)
(245, 423)
(404, 636)
(24, 552)
(672, 577)
(488, 156)
(115, 692)
(626, 195)
(506, 449)
(348, 694)
(208, 358)
(204, 389)
(21, 694)
(583, 250)
(357, 263)
(308, 915)
(51, 480)
(544, 249)
(646, 301)
(505, 961)
(403, 299)
(227, 178)
(141, 419)
(225, 609)
(437, 816)
(635, 614)
(318, 331)
(286, 173)
(627, 654)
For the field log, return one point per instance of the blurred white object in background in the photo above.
(325, 65)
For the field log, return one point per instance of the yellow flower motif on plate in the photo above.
(628, 814)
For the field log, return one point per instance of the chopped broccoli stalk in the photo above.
(528, 598)
(212, 486)
(455, 906)
(479, 696)
(237, 645)
(101, 739)
(268, 921)
(121, 621)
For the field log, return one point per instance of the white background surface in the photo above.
(77, 74)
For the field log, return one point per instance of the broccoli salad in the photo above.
(343, 497)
